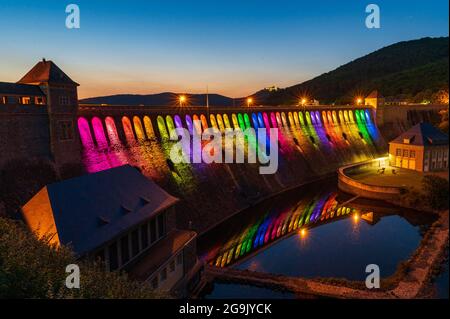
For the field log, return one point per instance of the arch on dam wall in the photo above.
(255, 121)
(350, 116)
(335, 120)
(204, 122)
(273, 120)
(284, 120)
(111, 130)
(234, 121)
(317, 115)
(308, 118)
(226, 121)
(220, 123)
(85, 133)
(162, 127)
(171, 127)
(212, 120)
(247, 122)
(149, 127)
(341, 116)
(278, 118)
(300, 117)
(241, 121)
(261, 122)
(138, 128)
(324, 117)
(99, 132)
(291, 119)
(177, 121)
(346, 116)
(189, 124)
(128, 129)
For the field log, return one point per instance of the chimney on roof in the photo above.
(43, 60)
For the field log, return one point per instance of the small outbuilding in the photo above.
(423, 148)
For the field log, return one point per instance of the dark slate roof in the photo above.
(46, 71)
(93, 209)
(422, 134)
(20, 89)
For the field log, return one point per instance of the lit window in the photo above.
(405, 153)
(25, 100)
(3, 100)
(398, 152)
(39, 100)
(412, 154)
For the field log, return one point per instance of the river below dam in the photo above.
(311, 232)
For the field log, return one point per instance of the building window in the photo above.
(39, 100)
(125, 250)
(405, 153)
(398, 152)
(113, 257)
(25, 100)
(63, 100)
(100, 256)
(179, 259)
(412, 154)
(163, 274)
(152, 231)
(3, 100)
(144, 236)
(155, 282)
(172, 266)
(135, 242)
(161, 228)
(65, 130)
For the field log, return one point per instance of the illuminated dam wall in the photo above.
(312, 143)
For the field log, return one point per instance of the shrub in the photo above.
(29, 268)
(435, 191)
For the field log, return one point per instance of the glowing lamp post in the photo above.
(182, 99)
(359, 101)
(249, 101)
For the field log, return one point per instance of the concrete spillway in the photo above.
(312, 143)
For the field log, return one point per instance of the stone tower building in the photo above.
(62, 105)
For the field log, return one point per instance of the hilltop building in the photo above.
(422, 148)
(122, 218)
(38, 116)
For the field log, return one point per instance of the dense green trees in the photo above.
(29, 268)
(413, 69)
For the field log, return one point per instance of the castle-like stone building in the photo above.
(38, 117)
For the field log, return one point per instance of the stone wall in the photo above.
(24, 133)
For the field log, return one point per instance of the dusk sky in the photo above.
(234, 47)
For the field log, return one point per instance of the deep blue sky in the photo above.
(235, 47)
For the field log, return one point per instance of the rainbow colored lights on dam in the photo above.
(320, 139)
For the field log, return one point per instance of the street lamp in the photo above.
(359, 101)
(182, 99)
(249, 101)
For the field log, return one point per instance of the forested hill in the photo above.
(412, 70)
